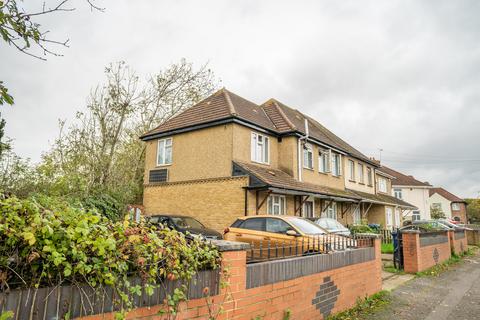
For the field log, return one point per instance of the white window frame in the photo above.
(416, 215)
(336, 164)
(369, 176)
(308, 156)
(331, 211)
(397, 193)
(304, 208)
(324, 161)
(351, 169)
(361, 174)
(163, 151)
(357, 216)
(388, 217)
(260, 151)
(397, 222)
(382, 184)
(456, 206)
(437, 205)
(277, 201)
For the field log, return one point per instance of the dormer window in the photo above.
(164, 152)
(260, 148)
(308, 156)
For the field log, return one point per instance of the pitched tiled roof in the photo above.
(384, 199)
(272, 115)
(280, 179)
(402, 179)
(318, 131)
(447, 195)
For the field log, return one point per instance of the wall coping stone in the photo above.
(224, 245)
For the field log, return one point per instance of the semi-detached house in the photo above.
(227, 157)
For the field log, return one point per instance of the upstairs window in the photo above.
(382, 185)
(415, 215)
(164, 152)
(351, 170)
(361, 177)
(455, 206)
(336, 164)
(276, 205)
(260, 148)
(323, 161)
(398, 193)
(369, 176)
(308, 156)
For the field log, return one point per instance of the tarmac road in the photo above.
(454, 294)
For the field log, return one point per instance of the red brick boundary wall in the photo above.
(473, 237)
(312, 296)
(424, 250)
(458, 241)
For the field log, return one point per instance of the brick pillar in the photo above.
(378, 262)
(411, 251)
(451, 240)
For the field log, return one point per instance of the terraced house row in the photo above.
(227, 157)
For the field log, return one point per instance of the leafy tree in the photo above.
(437, 213)
(98, 160)
(22, 30)
(473, 210)
(4, 146)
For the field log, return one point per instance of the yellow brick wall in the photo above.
(287, 160)
(242, 145)
(214, 202)
(199, 154)
(376, 214)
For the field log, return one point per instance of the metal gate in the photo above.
(397, 249)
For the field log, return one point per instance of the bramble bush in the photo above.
(45, 242)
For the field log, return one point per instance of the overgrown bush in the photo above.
(361, 229)
(45, 242)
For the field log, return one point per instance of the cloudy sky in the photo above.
(402, 76)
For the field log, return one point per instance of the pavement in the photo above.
(454, 294)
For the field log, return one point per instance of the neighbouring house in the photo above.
(411, 190)
(452, 206)
(226, 157)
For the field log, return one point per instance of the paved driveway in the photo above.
(454, 294)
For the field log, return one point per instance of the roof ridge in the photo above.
(282, 114)
(231, 107)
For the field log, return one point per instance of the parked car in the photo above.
(333, 226)
(189, 226)
(297, 235)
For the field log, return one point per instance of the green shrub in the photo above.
(361, 229)
(45, 242)
(387, 247)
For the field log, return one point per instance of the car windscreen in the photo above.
(187, 223)
(306, 226)
(330, 224)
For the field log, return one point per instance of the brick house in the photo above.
(226, 157)
(453, 206)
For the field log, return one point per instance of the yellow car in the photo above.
(283, 236)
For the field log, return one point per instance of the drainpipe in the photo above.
(300, 142)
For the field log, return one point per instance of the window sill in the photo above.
(264, 163)
(361, 183)
(324, 173)
(309, 169)
(338, 177)
(163, 165)
(353, 181)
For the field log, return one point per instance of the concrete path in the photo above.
(455, 294)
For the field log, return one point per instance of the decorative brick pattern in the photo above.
(326, 297)
(308, 297)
